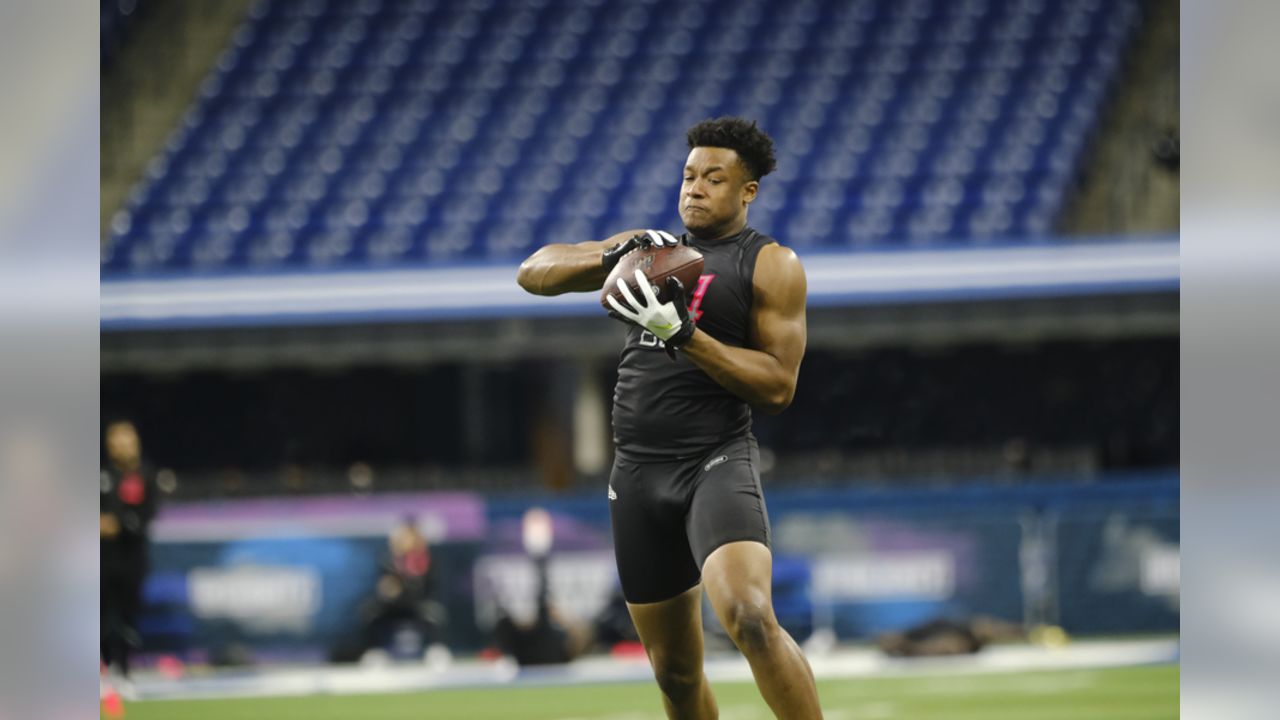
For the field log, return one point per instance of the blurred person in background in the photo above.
(685, 499)
(410, 557)
(402, 615)
(551, 638)
(127, 504)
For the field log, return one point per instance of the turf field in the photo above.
(1131, 693)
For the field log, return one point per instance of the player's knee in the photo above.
(677, 678)
(751, 625)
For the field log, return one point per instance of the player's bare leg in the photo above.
(671, 631)
(737, 577)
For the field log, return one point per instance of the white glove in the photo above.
(651, 238)
(662, 319)
(662, 238)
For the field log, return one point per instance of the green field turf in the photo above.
(1137, 693)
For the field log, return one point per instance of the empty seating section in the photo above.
(376, 132)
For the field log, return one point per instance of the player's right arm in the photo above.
(560, 268)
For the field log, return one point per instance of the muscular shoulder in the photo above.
(779, 277)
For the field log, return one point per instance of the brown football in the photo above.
(657, 264)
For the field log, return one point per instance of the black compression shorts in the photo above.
(669, 516)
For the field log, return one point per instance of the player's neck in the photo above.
(718, 235)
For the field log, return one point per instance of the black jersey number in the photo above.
(649, 340)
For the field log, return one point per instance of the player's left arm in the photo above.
(764, 375)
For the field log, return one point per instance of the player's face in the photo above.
(715, 192)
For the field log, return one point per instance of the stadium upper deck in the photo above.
(350, 134)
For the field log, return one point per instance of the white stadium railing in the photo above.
(460, 292)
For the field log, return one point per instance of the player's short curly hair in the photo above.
(752, 144)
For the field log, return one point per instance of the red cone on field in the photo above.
(112, 705)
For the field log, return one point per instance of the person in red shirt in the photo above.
(127, 504)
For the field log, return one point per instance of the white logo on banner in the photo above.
(261, 598)
(581, 585)
(895, 575)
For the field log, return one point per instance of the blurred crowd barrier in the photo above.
(261, 580)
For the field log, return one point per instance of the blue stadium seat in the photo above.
(337, 133)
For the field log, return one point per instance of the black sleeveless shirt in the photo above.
(663, 409)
